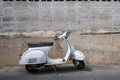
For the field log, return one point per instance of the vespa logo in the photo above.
(32, 60)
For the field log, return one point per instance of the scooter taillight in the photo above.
(20, 55)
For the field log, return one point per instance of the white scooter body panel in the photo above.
(33, 57)
(36, 55)
(77, 55)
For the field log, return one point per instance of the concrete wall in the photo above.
(32, 16)
(95, 26)
(99, 47)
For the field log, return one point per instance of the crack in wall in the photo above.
(102, 33)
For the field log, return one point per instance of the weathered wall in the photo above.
(32, 16)
(99, 48)
(97, 22)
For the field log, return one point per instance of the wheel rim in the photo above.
(31, 68)
(79, 64)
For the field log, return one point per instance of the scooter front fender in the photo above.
(77, 55)
(34, 56)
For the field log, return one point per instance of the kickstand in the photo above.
(54, 66)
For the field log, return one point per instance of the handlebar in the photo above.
(56, 38)
(67, 34)
(63, 35)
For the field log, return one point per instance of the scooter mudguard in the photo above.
(34, 56)
(77, 55)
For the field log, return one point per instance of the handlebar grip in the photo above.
(67, 35)
(56, 38)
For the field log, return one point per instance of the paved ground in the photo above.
(67, 72)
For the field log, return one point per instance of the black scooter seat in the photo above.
(40, 44)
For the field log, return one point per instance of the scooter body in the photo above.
(40, 56)
(34, 56)
(37, 55)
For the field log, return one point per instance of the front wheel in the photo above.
(79, 64)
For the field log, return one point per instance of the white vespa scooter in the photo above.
(36, 57)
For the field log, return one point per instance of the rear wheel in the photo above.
(79, 64)
(31, 68)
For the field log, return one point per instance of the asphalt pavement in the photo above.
(64, 72)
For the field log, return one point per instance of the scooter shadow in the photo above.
(63, 69)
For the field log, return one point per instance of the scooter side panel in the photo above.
(35, 56)
(77, 55)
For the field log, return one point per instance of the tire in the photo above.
(79, 64)
(31, 68)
